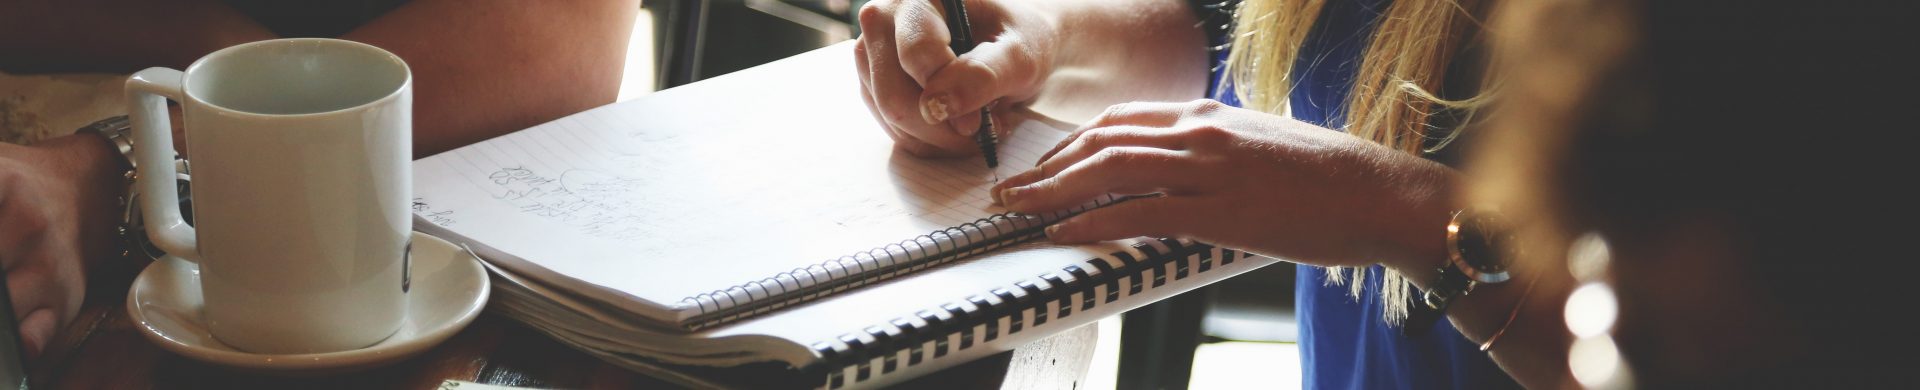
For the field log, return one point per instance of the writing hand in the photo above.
(927, 98)
(1243, 179)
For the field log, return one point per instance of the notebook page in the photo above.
(705, 187)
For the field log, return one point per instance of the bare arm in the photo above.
(1153, 48)
(484, 68)
(481, 68)
(116, 36)
(1280, 187)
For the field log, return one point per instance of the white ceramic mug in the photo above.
(301, 186)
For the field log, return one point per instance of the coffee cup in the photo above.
(301, 187)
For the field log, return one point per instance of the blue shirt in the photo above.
(1344, 343)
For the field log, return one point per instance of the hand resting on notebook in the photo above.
(1241, 179)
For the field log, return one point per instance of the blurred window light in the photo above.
(1591, 310)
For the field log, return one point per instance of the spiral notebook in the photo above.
(763, 219)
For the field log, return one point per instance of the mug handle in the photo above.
(147, 94)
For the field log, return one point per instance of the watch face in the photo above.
(1482, 244)
(1477, 246)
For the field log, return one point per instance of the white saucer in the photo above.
(449, 289)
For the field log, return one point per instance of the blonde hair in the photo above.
(1407, 57)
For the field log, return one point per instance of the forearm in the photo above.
(486, 68)
(1116, 51)
(117, 36)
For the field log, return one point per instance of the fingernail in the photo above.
(934, 109)
(1053, 231)
(986, 123)
(1007, 196)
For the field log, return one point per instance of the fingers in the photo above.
(31, 290)
(38, 303)
(906, 48)
(1150, 114)
(1001, 126)
(1086, 144)
(1120, 170)
(1156, 217)
(862, 51)
(866, 90)
(922, 36)
(1140, 114)
(1094, 141)
(901, 141)
(42, 272)
(894, 92)
(883, 62)
(865, 73)
(28, 229)
(40, 253)
(1004, 68)
(968, 123)
(916, 148)
(36, 330)
(905, 142)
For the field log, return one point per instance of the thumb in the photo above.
(992, 71)
(36, 330)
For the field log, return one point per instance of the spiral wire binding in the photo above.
(872, 266)
(934, 328)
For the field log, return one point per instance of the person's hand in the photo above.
(57, 200)
(926, 98)
(1242, 179)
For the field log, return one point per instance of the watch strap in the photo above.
(1429, 306)
(117, 130)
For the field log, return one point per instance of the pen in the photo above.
(961, 42)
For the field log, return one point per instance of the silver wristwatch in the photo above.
(132, 230)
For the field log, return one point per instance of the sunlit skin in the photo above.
(1235, 177)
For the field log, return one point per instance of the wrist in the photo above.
(94, 171)
(1108, 52)
(85, 155)
(1421, 236)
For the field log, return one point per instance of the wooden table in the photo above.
(101, 349)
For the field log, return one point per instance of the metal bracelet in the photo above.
(132, 231)
(118, 130)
